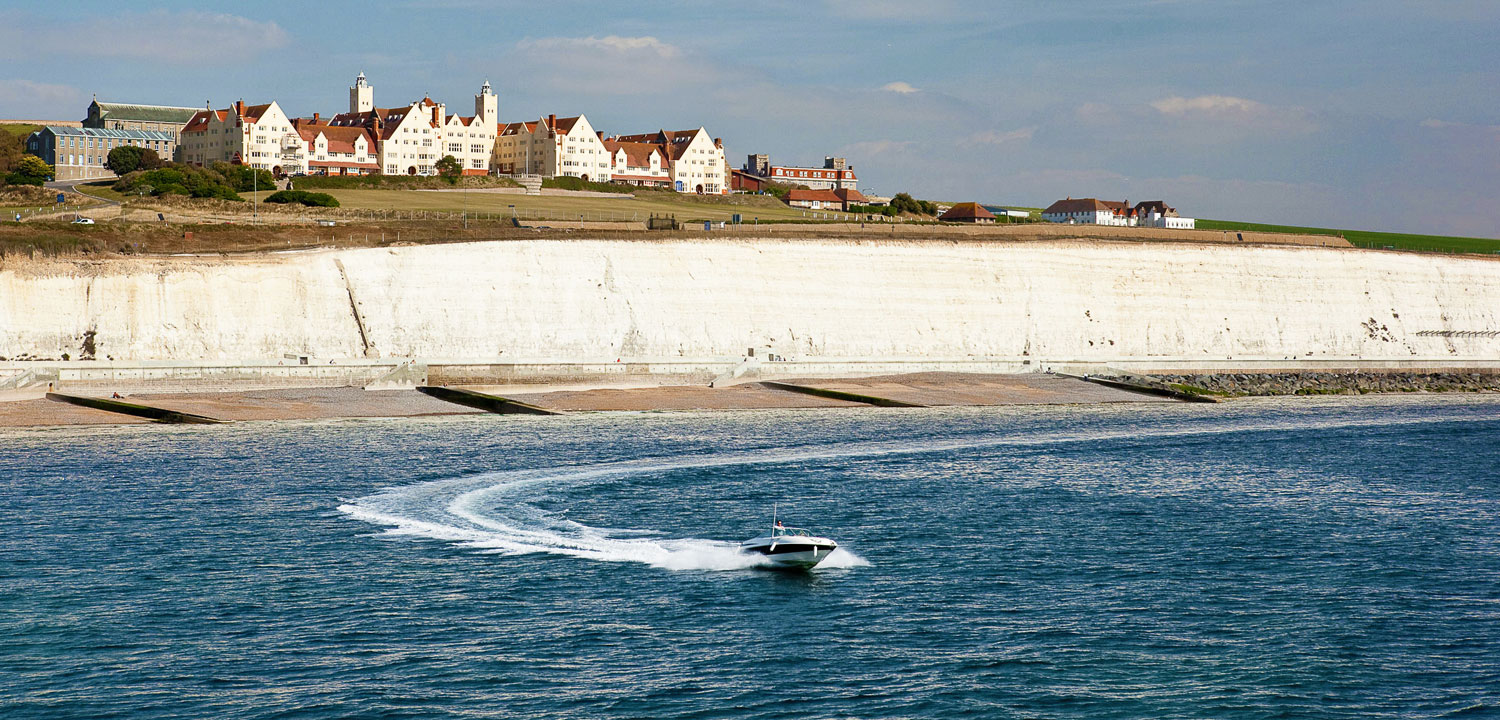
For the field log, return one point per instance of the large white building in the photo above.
(552, 147)
(1091, 211)
(260, 136)
(696, 160)
(688, 161)
(410, 140)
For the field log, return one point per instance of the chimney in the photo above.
(315, 118)
(239, 106)
(552, 122)
(437, 115)
(719, 143)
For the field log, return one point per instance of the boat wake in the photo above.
(501, 512)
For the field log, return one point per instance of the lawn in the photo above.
(554, 207)
(1368, 239)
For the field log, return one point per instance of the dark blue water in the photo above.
(1311, 559)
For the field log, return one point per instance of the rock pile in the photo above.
(1337, 383)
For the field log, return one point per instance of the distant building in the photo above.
(744, 181)
(81, 153)
(695, 159)
(410, 140)
(835, 173)
(639, 163)
(1091, 211)
(839, 199)
(135, 116)
(552, 147)
(260, 136)
(968, 212)
(334, 150)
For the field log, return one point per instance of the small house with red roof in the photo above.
(968, 212)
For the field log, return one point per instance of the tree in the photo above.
(449, 167)
(124, 159)
(129, 158)
(29, 170)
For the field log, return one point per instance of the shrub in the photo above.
(450, 168)
(564, 182)
(181, 179)
(129, 158)
(904, 202)
(302, 197)
(29, 170)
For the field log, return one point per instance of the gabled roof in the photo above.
(340, 139)
(199, 122)
(254, 112)
(145, 113)
(516, 128)
(637, 154)
(967, 211)
(1072, 205)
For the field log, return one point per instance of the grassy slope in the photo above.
(686, 208)
(18, 129)
(1363, 238)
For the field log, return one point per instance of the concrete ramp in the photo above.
(154, 414)
(481, 401)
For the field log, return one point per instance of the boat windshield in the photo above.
(797, 532)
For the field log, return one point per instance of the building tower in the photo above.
(361, 96)
(487, 106)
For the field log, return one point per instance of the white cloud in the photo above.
(186, 37)
(27, 100)
(899, 87)
(992, 137)
(611, 44)
(644, 68)
(1208, 104)
(1436, 124)
(1226, 111)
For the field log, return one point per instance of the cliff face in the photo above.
(593, 300)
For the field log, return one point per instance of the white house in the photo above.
(696, 159)
(260, 136)
(410, 140)
(1090, 211)
(551, 147)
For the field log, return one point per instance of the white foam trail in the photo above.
(494, 513)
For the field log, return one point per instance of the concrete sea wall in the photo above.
(598, 301)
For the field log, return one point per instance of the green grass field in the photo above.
(550, 207)
(1368, 239)
(19, 130)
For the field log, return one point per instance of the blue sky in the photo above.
(1366, 114)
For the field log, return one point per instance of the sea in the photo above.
(1277, 558)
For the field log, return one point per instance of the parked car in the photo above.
(83, 221)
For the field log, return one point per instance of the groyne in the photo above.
(700, 308)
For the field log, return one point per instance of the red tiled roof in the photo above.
(253, 112)
(342, 164)
(199, 121)
(637, 154)
(516, 128)
(1072, 205)
(828, 196)
(967, 211)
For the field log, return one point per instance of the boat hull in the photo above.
(791, 555)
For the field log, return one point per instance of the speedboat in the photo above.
(789, 547)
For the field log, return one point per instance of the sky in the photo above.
(1358, 114)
